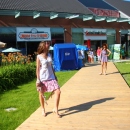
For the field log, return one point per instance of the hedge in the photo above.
(13, 75)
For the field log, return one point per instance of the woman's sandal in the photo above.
(58, 115)
(100, 73)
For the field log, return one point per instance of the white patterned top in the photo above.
(46, 72)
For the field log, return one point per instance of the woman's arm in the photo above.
(108, 52)
(38, 70)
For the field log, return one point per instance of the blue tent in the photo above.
(65, 57)
(82, 47)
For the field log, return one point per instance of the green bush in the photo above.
(13, 75)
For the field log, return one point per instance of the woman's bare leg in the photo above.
(56, 102)
(41, 99)
(92, 60)
(105, 68)
(102, 65)
(89, 59)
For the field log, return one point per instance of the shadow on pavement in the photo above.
(91, 64)
(113, 73)
(83, 107)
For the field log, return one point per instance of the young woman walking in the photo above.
(46, 79)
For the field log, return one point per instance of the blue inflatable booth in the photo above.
(65, 57)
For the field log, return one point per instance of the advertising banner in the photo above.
(104, 12)
(116, 55)
(30, 34)
(94, 34)
(111, 48)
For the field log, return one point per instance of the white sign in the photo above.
(94, 34)
(33, 34)
(116, 52)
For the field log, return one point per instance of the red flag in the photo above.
(88, 43)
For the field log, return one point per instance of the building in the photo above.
(24, 23)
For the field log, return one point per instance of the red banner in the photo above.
(103, 12)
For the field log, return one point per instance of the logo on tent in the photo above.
(67, 54)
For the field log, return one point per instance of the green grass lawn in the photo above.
(124, 69)
(25, 99)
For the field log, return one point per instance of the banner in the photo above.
(104, 12)
(30, 34)
(94, 34)
(116, 55)
(111, 48)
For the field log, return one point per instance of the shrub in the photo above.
(13, 75)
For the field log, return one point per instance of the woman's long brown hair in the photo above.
(41, 48)
(105, 46)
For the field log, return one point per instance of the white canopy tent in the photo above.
(11, 49)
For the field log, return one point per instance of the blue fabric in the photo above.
(80, 63)
(65, 57)
(82, 47)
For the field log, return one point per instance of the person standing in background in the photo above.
(83, 55)
(104, 58)
(90, 56)
(98, 53)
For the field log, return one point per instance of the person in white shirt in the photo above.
(91, 56)
(46, 78)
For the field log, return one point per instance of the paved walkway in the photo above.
(88, 102)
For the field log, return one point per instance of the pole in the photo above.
(26, 47)
(16, 44)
